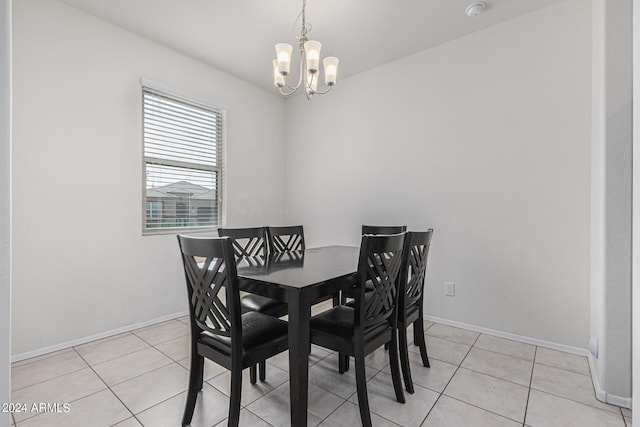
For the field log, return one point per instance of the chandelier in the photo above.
(309, 63)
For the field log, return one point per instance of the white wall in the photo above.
(636, 209)
(81, 265)
(494, 135)
(5, 206)
(611, 199)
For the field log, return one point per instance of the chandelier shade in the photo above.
(283, 53)
(309, 66)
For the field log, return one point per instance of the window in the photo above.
(154, 210)
(183, 163)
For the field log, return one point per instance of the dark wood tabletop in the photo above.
(301, 279)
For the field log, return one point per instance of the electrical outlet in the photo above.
(449, 289)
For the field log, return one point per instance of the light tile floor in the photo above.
(140, 378)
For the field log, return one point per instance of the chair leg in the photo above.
(200, 373)
(336, 300)
(395, 370)
(342, 363)
(361, 385)
(195, 385)
(236, 392)
(404, 360)
(263, 370)
(421, 342)
(252, 374)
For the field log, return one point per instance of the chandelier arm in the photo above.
(293, 88)
(297, 86)
(303, 60)
(285, 93)
(324, 91)
(308, 84)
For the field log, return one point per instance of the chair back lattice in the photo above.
(212, 284)
(383, 229)
(414, 265)
(380, 261)
(247, 242)
(286, 239)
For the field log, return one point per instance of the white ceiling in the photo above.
(238, 36)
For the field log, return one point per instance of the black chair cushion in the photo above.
(339, 321)
(257, 329)
(253, 302)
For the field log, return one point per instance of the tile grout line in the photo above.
(159, 343)
(460, 366)
(107, 386)
(139, 375)
(74, 350)
(52, 378)
(101, 340)
(165, 354)
(132, 353)
(450, 379)
(134, 416)
(498, 378)
(483, 409)
(254, 414)
(577, 401)
(115, 357)
(507, 355)
(534, 362)
(564, 369)
(564, 397)
(533, 367)
(347, 400)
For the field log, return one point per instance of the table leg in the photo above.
(299, 314)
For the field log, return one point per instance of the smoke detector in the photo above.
(475, 9)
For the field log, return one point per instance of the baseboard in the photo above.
(520, 338)
(84, 340)
(601, 394)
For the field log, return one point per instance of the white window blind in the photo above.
(183, 164)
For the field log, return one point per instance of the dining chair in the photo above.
(410, 304)
(383, 229)
(219, 330)
(286, 239)
(248, 243)
(374, 229)
(371, 322)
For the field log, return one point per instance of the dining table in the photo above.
(300, 278)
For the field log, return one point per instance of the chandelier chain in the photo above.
(304, 18)
(301, 19)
